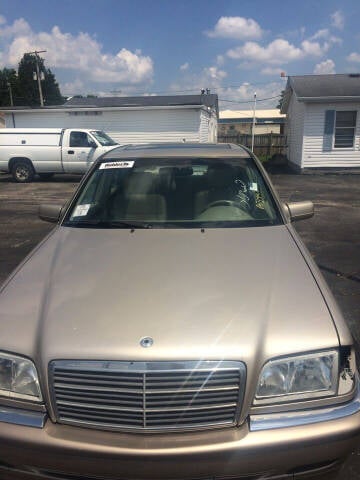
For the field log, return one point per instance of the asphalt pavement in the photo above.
(332, 235)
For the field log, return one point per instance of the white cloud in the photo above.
(220, 60)
(314, 49)
(325, 67)
(325, 34)
(272, 71)
(239, 28)
(184, 66)
(338, 20)
(245, 93)
(281, 51)
(322, 33)
(240, 97)
(209, 77)
(81, 53)
(277, 52)
(18, 28)
(72, 88)
(2, 20)
(214, 73)
(124, 67)
(353, 57)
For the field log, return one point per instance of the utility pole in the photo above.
(253, 124)
(38, 77)
(10, 93)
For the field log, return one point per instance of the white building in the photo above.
(241, 121)
(178, 118)
(323, 121)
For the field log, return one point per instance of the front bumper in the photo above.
(278, 451)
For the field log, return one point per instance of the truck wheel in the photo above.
(45, 176)
(22, 171)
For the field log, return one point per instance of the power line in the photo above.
(249, 101)
(196, 89)
(247, 84)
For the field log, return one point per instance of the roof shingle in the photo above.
(210, 100)
(332, 85)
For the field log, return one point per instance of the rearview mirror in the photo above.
(50, 213)
(299, 210)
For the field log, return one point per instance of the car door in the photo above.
(79, 154)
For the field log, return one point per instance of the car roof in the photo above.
(206, 150)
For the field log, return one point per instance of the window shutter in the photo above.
(328, 130)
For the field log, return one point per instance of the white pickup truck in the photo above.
(25, 152)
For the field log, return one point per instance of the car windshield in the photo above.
(174, 193)
(103, 139)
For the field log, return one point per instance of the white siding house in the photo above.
(189, 118)
(294, 130)
(323, 121)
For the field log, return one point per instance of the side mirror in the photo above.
(92, 144)
(299, 210)
(50, 213)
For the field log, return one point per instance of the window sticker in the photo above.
(254, 187)
(124, 164)
(81, 210)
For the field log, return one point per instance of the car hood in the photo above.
(213, 294)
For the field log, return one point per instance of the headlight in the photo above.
(298, 378)
(18, 378)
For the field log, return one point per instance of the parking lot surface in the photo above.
(332, 235)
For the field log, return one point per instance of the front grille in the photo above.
(153, 396)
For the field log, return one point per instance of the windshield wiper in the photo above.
(134, 224)
(106, 224)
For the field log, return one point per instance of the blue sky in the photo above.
(165, 46)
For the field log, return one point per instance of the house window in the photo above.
(345, 124)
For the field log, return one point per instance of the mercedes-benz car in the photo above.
(173, 326)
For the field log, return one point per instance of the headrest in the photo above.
(220, 176)
(146, 208)
(140, 183)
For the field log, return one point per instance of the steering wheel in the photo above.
(242, 202)
(220, 203)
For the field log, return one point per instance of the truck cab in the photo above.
(81, 147)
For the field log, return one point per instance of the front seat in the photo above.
(145, 208)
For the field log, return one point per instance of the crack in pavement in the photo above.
(348, 276)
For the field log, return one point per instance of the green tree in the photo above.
(281, 99)
(28, 87)
(8, 80)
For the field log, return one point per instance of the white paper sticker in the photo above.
(81, 210)
(254, 187)
(126, 164)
